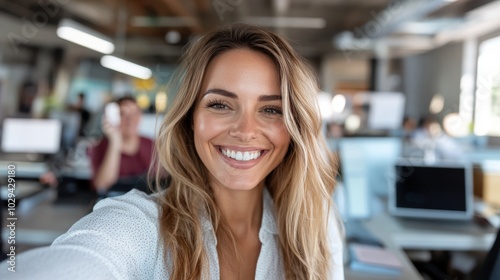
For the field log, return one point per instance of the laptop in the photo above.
(437, 191)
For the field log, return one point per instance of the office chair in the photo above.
(140, 183)
(491, 266)
(124, 185)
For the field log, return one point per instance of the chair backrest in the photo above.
(491, 266)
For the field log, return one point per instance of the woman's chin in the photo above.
(241, 185)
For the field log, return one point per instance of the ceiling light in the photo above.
(437, 104)
(325, 106)
(143, 101)
(79, 34)
(287, 22)
(352, 123)
(338, 103)
(126, 67)
(454, 125)
(428, 26)
(161, 101)
(173, 37)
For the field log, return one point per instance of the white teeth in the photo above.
(241, 156)
(246, 156)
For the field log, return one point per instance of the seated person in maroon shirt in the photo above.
(122, 159)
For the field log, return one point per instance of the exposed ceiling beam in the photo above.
(179, 10)
(479, 22)
(397, 13)
(202, 6)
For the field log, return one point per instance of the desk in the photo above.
(399, 233)
(434, 235)
(408, 271)
(45, 222)
(24, 169)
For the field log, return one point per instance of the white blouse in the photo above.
(120, 240)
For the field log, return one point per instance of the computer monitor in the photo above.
(386, 110)
(367, 168)
(438, 191)
(39, 136)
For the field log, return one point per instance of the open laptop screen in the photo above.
(437, 191)
(31, 136)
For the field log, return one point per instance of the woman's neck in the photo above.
(242, 210)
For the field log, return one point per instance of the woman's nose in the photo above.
(245, 127)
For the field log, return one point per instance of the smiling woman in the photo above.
(242, 142)
(251, 179)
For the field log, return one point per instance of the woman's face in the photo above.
(239, 132)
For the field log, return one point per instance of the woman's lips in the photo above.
(241, 157)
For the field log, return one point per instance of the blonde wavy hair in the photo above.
(301, 186)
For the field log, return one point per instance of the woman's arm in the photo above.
(117, 240)
(107, 173)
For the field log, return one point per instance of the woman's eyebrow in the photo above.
(221, 92)
(269, 97)
(233, 95)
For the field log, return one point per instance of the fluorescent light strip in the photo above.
(287, 22)
(81, 35)
(126, 67)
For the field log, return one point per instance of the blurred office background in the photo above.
(409, 84)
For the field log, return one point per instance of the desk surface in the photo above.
(44, 223)
(399, 233)
(435, 234)
(25, 169)
(408, 271)
(77, 170)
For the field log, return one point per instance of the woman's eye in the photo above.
(273, 111)
(217, 105)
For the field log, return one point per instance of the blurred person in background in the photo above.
(123, 156)
(121, 159)
(409, 127)
(434, 142)
(79, 107)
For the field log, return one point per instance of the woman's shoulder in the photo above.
(129, 216)
(135, 201)
(118, 240)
